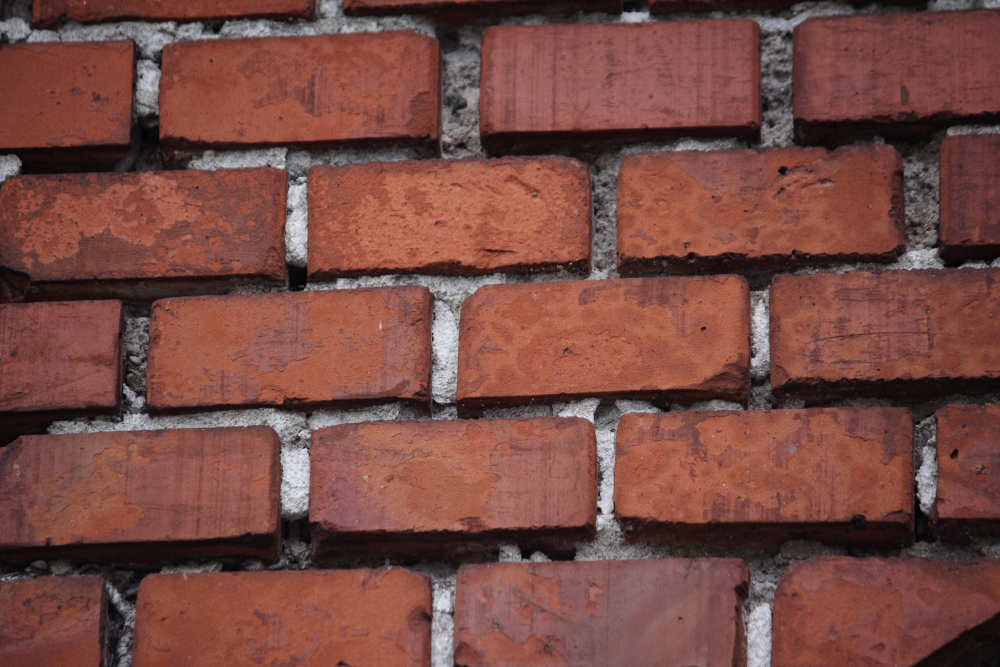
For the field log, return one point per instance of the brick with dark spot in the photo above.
(50, 13)
(761, 478)
(317, 618)
(470, 10)
(970, 197)
(968, 489)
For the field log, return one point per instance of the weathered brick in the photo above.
(549, 85)
(968, 489)
(676, 6)
(739, 209)
(367, 89)
(50, 13)
(602, 613)
(452, 486)
(142, 496)
(53, 622)
(897, 333)
(897, 75)
(67, 106)
(141, 236)
(663, 339)
(316, 618)
(58, 360)
(450, 216)
(970, 197)
(469, 10)
(299, 350)
(840, 475)
(890, 612)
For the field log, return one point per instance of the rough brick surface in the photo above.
(362, 618)
(970, 197)
(300, 350)
(638, 612)
(53, 622)
(842, 475)
(887, 613)
(545, 85)
(331, 90)
(142, 496)
(665, 339)
(677, 6)
(449, 216)
(468, 10)
(141, 236)
(897, 333)
(740, 209)
(67, 105)
(452, 486)
(57, 360)
(49, 13)
(897, 75)
(968, 490)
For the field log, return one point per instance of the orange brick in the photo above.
(50, 13)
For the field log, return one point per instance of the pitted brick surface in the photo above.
(968, 489)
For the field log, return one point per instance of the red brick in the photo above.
(368, 89)
(970, 197)
(840, 475)
(67, 105)
(899, 333)
(898, 75)
(890, 612)
(549, 85)
(142, 496)
(469, 10)
(298, 350)
(663, 339)
(738, 209)
(53, 622)
(461, 217)
(58, 360)
(142, 236)
(602, 613)
(968, 489)
(362, 618)
(676, 6)
(452, 486)
(50, 13)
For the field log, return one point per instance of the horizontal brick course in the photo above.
(469, 10)
(452, 486)
(363, 618)
(970, 197)
(898, 75)
(299, 350)
(549, 85)
(968, 488)
(462, 217)
(141, 236)
(362, 89)
(142, 496)
(67, 106)
(49, 13)
(897, 333)
(738, 209)
(602, 613)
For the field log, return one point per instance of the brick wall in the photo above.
(412, 332)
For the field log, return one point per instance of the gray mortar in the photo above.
(10, 165)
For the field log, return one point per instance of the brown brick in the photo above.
(890, 612)
(664, 339)
(549, 85)
(968, 489)
(602, 613)
(142, 236)
(367, 89)
(461, 217)
(142, 496)
(970, 197)
(58, 360)
(898, 75)
(898, 333)
(67, 105)
(760, 478)
(298, 350)
(452, 486)
(470, 10)
(738, 209)
(361, 618)
(53, 622)
(50, 13)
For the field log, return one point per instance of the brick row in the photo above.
(968, 489)
(970, 197)
(50, 13)
(469, 10)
